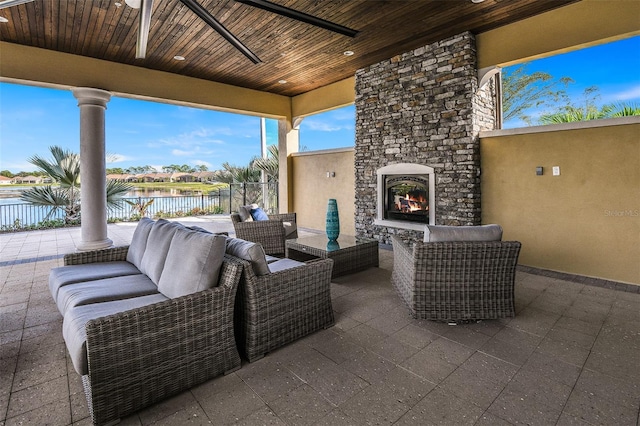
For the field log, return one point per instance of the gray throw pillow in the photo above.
(245, 213)
(442, 233)
(157, 248)
(139, 241)
(249, 251)
(193, 263)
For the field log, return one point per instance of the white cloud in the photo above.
(323, 126)
(118, 158)
(181, 153)
(631, 93)
(202, 163)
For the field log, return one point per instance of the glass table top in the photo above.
(321, 242)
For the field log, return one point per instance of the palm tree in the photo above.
(64, 168)
(269, 165)
(572, 114)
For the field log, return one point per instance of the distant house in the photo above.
(5, 180)
(29, 179)
(205, 176)
(183, 177)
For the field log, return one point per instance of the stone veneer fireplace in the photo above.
(424, 109)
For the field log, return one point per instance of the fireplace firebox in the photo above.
(406, 196)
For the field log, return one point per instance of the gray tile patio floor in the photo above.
(570, 357)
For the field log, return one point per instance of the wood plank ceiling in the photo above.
(307, 57)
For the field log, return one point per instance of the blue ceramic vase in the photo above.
(333, 221)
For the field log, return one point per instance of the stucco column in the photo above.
(93, 190)
(288, 143)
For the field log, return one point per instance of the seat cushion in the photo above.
(71, 274)
(139, 241)
(193, 263)
(157, 248)
(75, 320)
(284, 264)
(249, 251)
(105, 290)
(245, 213)
(441, 233)
(290, 230)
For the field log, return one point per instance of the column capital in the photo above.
(91, 96)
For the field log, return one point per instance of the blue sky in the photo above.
(613, 67)
(140, 133)
(143, 133)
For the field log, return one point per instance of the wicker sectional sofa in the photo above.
(147, 321)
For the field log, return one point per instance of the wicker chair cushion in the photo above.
(193, 263)
(245, 213)
(75, 320)
(157, 248)
(440, 233)
(284, 264)
(289, 229)
(139, 241)
(106, 290)
(249, 251)
(71, 274)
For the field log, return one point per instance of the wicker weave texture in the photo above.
(346, 260)
(456, 280)
(269, 233)
(142, 356)
(275, 309)
(113, 254)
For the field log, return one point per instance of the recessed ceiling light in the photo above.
(282, 81)
(178, 58)
(348, 53)
(134, 4)
(3, 19)
(476, 1)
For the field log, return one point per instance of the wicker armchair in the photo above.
(449, 281)
(269, 233)
(281, 307)
(144, 355)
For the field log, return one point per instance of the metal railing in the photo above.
(222, 201)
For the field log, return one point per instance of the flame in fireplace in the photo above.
(409, 204)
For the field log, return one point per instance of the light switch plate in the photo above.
(556, 170)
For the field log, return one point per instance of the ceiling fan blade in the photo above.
(9, 3)
(300, 16)
(144, 23)
(213, 23)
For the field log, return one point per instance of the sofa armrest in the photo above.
(281, 307)
(147, 354)
(106, 255)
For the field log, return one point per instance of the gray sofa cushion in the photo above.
(75, 319)
(193, 263)
(139, 241)
(105, 290)
(157, 248)
(250, 251)
(441, 233)
(284, 264)
(64, 275)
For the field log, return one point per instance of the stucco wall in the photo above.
(585, 221)
(312, 188)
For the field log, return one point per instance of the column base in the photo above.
(94, 245)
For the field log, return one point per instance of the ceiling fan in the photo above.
(146, 7)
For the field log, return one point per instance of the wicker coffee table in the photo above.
(349, 254)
